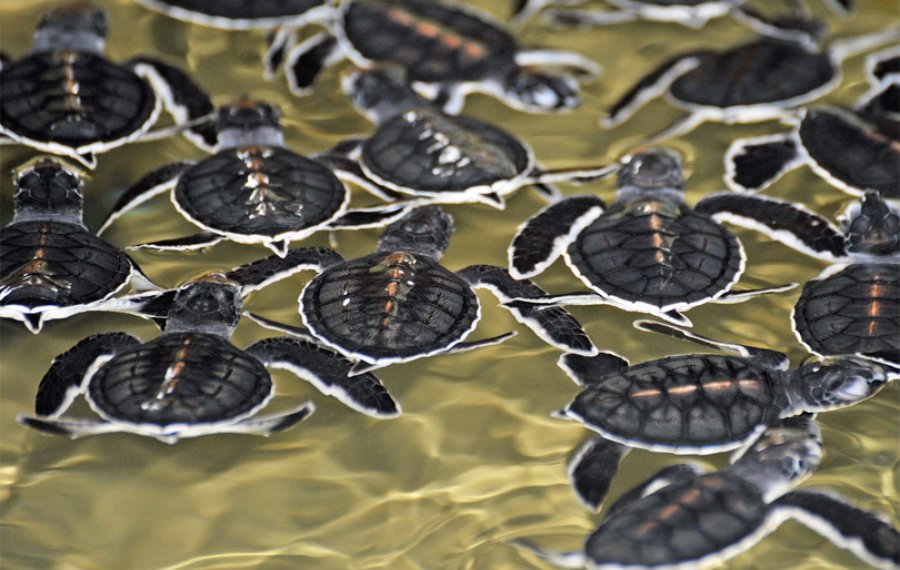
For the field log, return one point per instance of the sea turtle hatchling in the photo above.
(699, 403)
(760, 80)
(51, 266)
(683, 517)
(446, 52)
(399, 304)
(648, 252)
(853, 306)
(191, 380)
(66, 97)
(854, 150)
(253, 190)
(423, 155)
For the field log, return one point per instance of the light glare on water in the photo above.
(475, 460)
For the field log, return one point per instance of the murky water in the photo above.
(476, 459)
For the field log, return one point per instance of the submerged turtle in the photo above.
(756, 81)
(399, 304)
(424, 155)
(648, 252)
(51, 266)
(253, 190)
(67, 98)
(683, 517)
(446, 51)
(853, 307)
(699, 403)
(191, 380)
(855, 150)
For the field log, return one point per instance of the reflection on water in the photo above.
(475, 460)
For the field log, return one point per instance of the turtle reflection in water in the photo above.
(445, 51)
(698, 403)
(66, 97)
(191, 380)
(648, 252)
(399, 304)
(685, 518)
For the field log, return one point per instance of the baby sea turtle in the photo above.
(648, 252)
(753, 82)
(253, 190)
(683, 517)
(51, 266)
(418, 151)
(699, 403)
(66, 97)
(853, 307)
(191, 380)
(445, 50)
(399, 304)
(855, 150)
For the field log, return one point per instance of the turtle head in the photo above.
(423, 231)
(872, 226)
(210, 304)
(651, 173)
(48, 188)
(249, 122)
(379, 96)
(538, 92)
(76, 26)
(836, 382)
(782, 456)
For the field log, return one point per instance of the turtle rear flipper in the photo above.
(756, 163)
(584, 370)
(328, 372)
(257, 274)
(267, 425)
(591, 470)
(305, 61)
(863, 533)
(68, 426)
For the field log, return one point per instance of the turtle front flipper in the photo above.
(70, 372)
(374, 217)
(267, 425)
(278, 42)
(584, 370)
(349, 170)
(69, 426)
(872, 539)
(5, 60)
(183, 99)
(756, 163)
(665, 476)
(271, 324)
(198, 241)
(257, 274)
(573, 559)
(543, 238)
(793, 225)
(156, 182)
(328, 372)
(582, 66)
(587, 18)
(554, 325)
(307, 60)
(591, 470)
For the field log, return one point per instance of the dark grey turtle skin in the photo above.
(66, 97)
(51, 266)
(853, 307)
(648, 252)
(855, 150)
(191, 380)
(446, 51)
(699, 403)
(683, 517)
(399, 304)
(761, 80)
(422, 155)
(253, 190)
(240, 14)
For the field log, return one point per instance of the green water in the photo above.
(475, 460)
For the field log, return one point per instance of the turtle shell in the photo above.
(689, 403)
(242, 9)
(667, 3)
(858, 153)
(426, 151)
(765, 71)
(259, 190)
(389, 306)
(73, 99)
(855, 311)
(433, 42)
(183, 378)
(58, 264)
(658, 253)
(683, 522)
